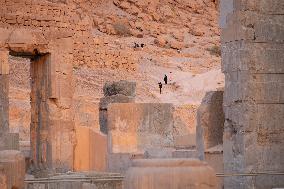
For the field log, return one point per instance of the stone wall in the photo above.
(252, 60)
(44, 32)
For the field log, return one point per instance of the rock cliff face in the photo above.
(138, 40)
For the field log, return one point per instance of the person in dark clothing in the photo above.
(166, 79)
(160, 86)
(136, 45)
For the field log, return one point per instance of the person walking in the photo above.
(160, 86)
(166, 79)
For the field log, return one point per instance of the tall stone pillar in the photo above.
(52, 123)
(253, 64)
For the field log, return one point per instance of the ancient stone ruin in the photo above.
(93, 116)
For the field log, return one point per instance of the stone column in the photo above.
(253, 64)
(52, 126)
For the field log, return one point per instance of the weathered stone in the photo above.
(139, 127)
(170, 174)
(118, 98)
(86, 180)
(103, 106)
(252, 53)
(214, 158)
(259, 88)
(90, 151)
(210, 122)
(184, 153)
(4, 103)
(251, 26)
(13, 163)
(252, 57)
(126, 88)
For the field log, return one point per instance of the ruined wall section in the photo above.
(252, 60)
(45, 29)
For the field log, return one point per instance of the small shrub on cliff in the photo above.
(215, 50)
(121, 29)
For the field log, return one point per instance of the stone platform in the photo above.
(86, 180)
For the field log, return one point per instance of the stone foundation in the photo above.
(170, 174)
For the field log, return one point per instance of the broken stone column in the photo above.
(115, 92)
(170, 174)
(252, 61)
(210, 122)
(13, 166)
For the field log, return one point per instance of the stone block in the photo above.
(214, 158)
(87, 114)
(104, 102)
(251, 26)
(13, 163)
(139, 127)
(125, 88)
(184, 153)
(118, 162)
(185, 141)
(170, 174)
(257, 88)
(62, 140)
(262, 6)
(210, 122)
(252, 57)
(90, 150)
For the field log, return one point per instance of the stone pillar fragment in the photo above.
(52, 123)
(210, 122)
